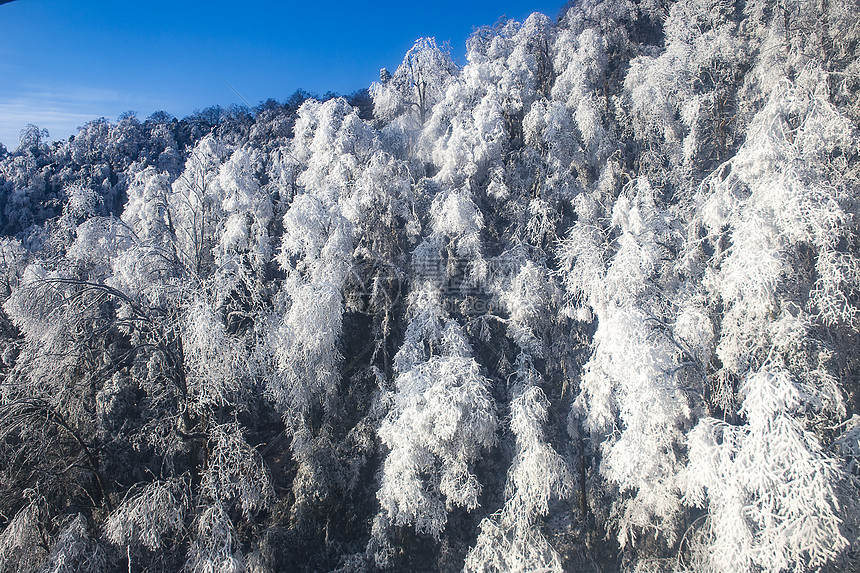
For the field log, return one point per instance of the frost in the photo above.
(588, 300)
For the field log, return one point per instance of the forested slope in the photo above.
(589, 303)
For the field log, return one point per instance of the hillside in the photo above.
(589, 303)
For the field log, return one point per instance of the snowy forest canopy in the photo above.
(589, 303)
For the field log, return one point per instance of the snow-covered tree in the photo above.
(195, 206)
(632, 397)
(784, 272)
(768, 485)
(442, 417)
(419, 82)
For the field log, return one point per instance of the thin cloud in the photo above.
(59, 109)
(15, 115)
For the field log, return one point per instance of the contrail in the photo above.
(225, 81)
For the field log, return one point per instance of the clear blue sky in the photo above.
(64, 63)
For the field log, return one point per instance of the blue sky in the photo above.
(64, 63)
